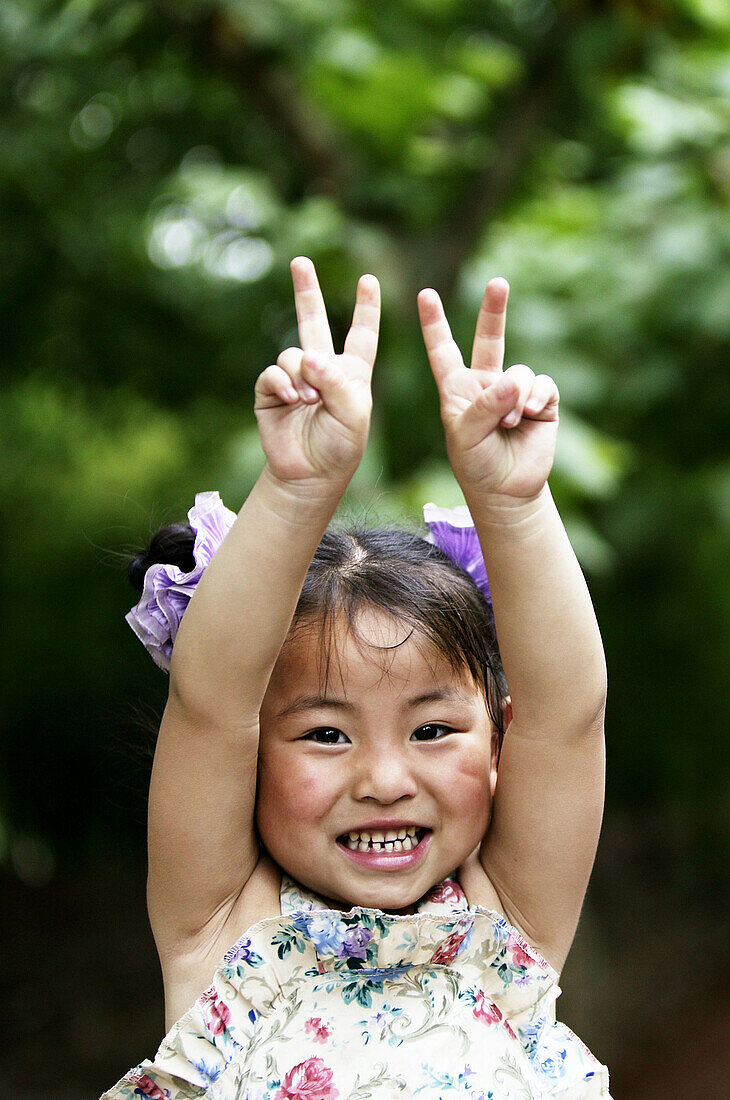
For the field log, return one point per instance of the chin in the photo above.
(390, 900)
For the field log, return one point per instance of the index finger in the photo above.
(441, 348)
(314, 328)
(487, 353)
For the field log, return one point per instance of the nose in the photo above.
(384, 776)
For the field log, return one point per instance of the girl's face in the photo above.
(395, 742)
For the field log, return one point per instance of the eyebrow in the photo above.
(300, 703)
(313, 702)
(440, 694)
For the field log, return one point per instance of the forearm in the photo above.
(548, 635)
(236, 622)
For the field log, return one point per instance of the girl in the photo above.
(329, 844)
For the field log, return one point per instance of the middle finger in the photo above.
(488, 350)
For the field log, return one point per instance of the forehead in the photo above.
(374, 647)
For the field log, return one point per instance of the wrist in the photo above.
(504, 511)
(300, 499)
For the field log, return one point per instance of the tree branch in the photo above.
(328, 162)
(487, 192)
(273, 91)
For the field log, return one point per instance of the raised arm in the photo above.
(501, 429)
(313, 412)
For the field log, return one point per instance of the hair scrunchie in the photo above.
(453, 531)
(167, 590)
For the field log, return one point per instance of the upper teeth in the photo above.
(395, 840)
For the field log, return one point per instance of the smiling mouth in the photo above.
(404, 839)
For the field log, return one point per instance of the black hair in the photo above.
(172, 545)
(384, 569)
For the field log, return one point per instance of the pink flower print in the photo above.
(310, 1080)
(449, 949)
(147, 1088)
(518, 955)
(319, 1031)
(487, 1011)
(447, 891)
(217, 1015)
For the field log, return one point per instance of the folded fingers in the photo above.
(517, 380)
(533, 397)
(544, 399)
(283, 383)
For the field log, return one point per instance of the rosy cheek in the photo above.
(470, 782)
(314, 792)
(299, 791)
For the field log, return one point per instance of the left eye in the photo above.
(431, 732)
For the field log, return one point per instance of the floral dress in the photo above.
(317, 1004)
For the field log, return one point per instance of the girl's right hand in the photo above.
(313, 406)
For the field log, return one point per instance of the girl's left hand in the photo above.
(500, 426)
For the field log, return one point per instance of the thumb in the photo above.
(485, 413)
(341, 397)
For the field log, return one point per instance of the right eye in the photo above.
(326, 735)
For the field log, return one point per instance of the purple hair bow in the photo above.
(167, 590)
(453, 531)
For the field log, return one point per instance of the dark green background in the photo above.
(160, 163)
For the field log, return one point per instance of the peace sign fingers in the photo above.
(314, 328)
(488, 349)
(362, 339)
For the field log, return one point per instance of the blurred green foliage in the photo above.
(160, 163)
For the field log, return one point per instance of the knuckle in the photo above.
(548, 386)
(290, 358)
(265, 376)
(315, 364)
(523, 371)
